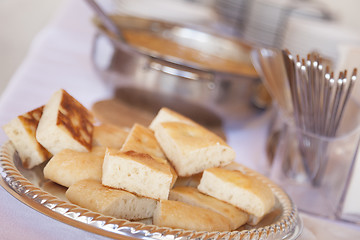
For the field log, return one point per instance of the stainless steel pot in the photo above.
(130, 69)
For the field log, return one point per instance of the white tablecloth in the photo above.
(60, 58)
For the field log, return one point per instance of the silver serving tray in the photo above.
(30, 187)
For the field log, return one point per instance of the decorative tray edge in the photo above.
(17, 185)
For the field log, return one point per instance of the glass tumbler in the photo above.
(316, 170)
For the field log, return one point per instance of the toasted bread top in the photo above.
(195, 194)
(142, 158)
(167, 115)
(75, 119)
(199, 197)
(142, 140)
(194, 197)
(30, 121)
(77, 161)
(191, 137)
(240, 179)
(177, 214)
(105, 195)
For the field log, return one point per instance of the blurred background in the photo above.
(21, 20)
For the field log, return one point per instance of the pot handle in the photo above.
(178, 70)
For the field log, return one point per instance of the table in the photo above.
(60, 58)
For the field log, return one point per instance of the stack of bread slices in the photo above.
(172, 173)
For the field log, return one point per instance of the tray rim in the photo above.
(45, 203)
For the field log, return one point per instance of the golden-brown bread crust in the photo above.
(192, 137)
(142, 140)
(142, 158)
(22, 132)
(138, 173)
(69, 166)
(193, 197)
(176, 214)
(30, 121)
(192, 149)
(207, 118)
(168, 115)
(74, 118)
(246, 182)
(244, 191)
(91, 194)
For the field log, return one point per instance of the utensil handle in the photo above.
(106, 20)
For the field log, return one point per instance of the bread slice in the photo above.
(239, 189)
(21, 132)
(69, 166)
(91, 194)
(108, 135)
(138, 173)
(167, 115)
(253, 220)
(65, 124)
(192, 149)
(142, 140)
(181, 215)
(193, 197)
